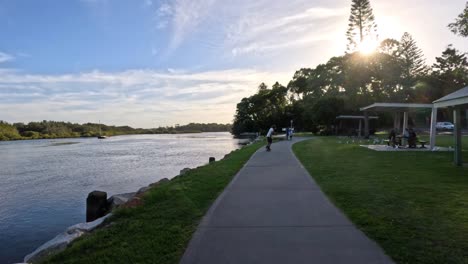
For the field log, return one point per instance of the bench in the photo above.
(422, 142)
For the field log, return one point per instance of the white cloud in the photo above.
(4, 57)
(266, 32)
(133, 97)
(186, 17)
(148, 3)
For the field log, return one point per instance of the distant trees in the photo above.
(362, 26)
(8, 132)
(261, 110)
(395, 72)
(460, 26)
(54, 129)
(451, 70)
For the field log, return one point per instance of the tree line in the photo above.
(395, 72)
(53, 129)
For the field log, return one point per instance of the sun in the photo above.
(368, 46)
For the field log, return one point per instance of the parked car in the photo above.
(444, 126)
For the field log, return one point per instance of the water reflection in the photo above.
(44, 183)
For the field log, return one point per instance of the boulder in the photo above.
(59, 243)
(118, 199)
(96, 205)
(184, 170)
(143, 190)
(134, 202)
(163, 180)
(87, 227)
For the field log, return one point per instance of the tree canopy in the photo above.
(460, 26)
(395, 72)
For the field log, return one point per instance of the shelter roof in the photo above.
(355, 117)
(394, 107)
(459, 97)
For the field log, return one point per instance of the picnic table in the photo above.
(398, 142)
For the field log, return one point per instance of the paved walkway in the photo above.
(273, 212)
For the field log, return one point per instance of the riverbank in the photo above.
(159, 230)
(108, 135)
(57, 129)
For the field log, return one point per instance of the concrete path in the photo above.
(273, 212)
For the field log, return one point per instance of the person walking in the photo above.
(269, 137)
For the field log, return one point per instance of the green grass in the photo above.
(414, 204)
(158, 231)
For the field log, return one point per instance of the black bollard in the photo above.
(212, 159)
(96, 205)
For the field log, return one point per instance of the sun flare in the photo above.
(368, 46)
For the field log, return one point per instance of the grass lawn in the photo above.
(158, 231)
(414, 204)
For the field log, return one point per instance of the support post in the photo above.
(466, 117)
(405, 122)
(457, 135)
(432, 139)
(366, 124)
(360, 128)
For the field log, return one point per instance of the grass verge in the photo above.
(414, 204)
(158, 231)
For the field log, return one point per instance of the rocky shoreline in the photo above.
(62, 240)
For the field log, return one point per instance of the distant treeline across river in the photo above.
(55, 129)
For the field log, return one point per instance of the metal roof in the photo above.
(355, 117)
(394, 107)
(459, 97)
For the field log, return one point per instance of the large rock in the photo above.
(96, 205)
(184, 170)
(59, 243)
(119, 199)
(143, 190)
(134, 202)
(163, 180)
(89, 226)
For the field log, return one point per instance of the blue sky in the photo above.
(147, 63)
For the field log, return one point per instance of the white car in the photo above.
(444, 126)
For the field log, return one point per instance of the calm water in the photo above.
(44, 183)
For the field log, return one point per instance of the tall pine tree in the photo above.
(414, 64)
(361, 25)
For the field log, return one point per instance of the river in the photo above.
(44, 183)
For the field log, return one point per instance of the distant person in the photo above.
(269, 136)
(287, 133)
(291, 132)
(412, 138)
(392, 138)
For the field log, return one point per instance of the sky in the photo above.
(150, 63)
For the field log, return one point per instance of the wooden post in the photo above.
(433, 128)
(457, 136)
(96, 205)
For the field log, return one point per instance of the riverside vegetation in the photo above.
(159, 230)
(395, 71)
(54, 129)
